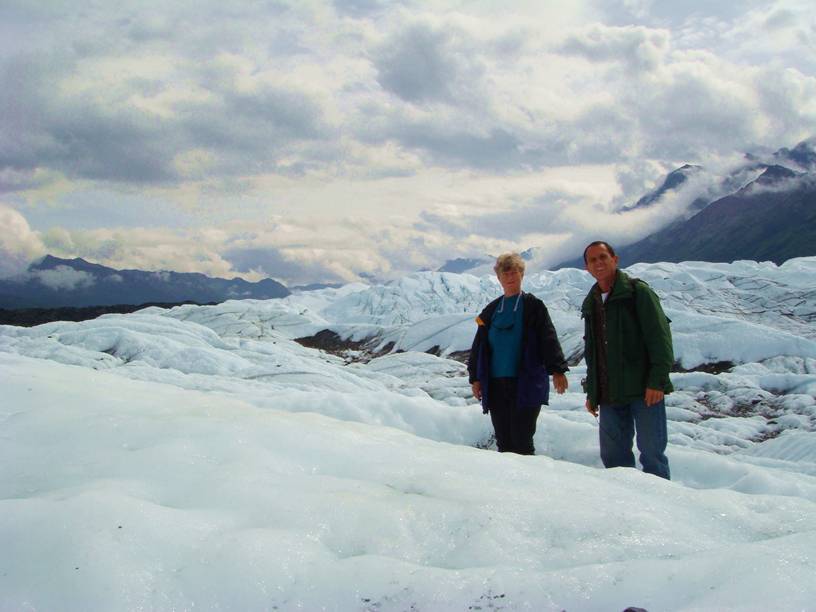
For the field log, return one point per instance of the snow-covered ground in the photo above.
(199, 458)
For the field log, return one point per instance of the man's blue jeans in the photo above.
(618, 423)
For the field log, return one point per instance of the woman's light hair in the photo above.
(509, 261)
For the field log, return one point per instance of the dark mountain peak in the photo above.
(684, 171)
(673, 180)
(803, 154)
(46, 263)
(774, 174)
(49, 262)
(462, 264)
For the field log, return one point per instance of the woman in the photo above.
(514, 351)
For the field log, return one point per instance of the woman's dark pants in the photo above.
(514, 426)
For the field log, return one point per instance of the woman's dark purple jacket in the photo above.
(541, 354)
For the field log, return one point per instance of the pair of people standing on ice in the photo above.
(628, 352)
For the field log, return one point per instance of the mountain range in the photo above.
(763, 210)
(54, 282)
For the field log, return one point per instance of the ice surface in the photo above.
(199, 458)
(742, 312)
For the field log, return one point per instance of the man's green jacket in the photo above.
(639, 345)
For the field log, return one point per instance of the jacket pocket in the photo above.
(534, 388)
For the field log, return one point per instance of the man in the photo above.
(629, 354)
(514, 352)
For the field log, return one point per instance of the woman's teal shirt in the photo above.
(504, 336)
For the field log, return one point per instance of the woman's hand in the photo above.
(560, 382)
(477, 390)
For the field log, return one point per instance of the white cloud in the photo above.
(19, 245)
(783, 185)
(638, 47)
(423, 63)
(63, 278)
(448, 129)
(784, 30)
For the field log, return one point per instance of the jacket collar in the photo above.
(622, 288)
(486, 315)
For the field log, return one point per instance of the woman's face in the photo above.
(510, 280)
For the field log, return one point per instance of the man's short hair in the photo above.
(599, 243)
(509, 261)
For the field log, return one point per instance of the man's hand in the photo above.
(477, 390)
(560, 382)
(593, 410)
(653, 396)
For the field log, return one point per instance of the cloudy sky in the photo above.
(319, 141)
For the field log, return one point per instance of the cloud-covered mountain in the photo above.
(53, 282)
(771, 219)
(803, 154)
(674, 180)
(766, 213)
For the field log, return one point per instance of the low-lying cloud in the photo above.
(63, 278)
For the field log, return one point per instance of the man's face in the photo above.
(600, 264)
(510, 280)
